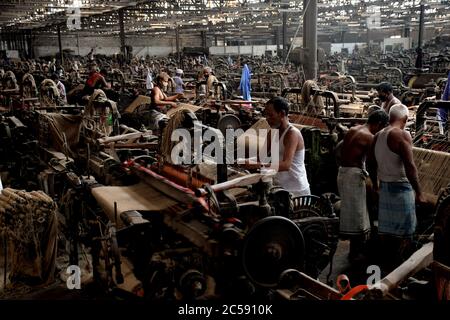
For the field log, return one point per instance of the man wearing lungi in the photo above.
(351, 181)
(398, 178)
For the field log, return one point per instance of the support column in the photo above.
(78, 43)
(310, 39)
(239, 46)
(284, 34)
(419, 59)
(122, 33)
(421, 25)
(8, 41)
(177, 44)
(276, 33)
(15, 42)
(30, 44)
(22, 41)
(18, 40)
(204, 40)
(224, 45)
(61, 57)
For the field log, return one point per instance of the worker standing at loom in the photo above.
(351, 180)
(399, 180)
(179, 84)
(291, 169)
(210, 79)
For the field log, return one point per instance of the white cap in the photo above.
(179, 71)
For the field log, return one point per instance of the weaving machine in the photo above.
(205, 230)
(204, 223)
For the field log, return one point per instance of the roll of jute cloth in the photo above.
(136, 197)
(183, 106)
(433, 168)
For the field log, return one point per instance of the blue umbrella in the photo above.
(244, 87)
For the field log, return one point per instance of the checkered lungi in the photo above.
(397, 210)
(354, 217)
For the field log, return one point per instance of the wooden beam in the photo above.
(421, 259)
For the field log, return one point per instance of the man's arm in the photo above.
(104, 83)
(403, 142)
(261, 162)
(291, 141)
(175, 97)
(372, 165)
(290, 146)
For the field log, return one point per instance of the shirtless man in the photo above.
(160, 102)
(351, 180)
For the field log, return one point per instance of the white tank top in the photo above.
(294, 180)
(390, 165)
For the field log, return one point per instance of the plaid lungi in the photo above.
(354, 217)
(397, 210)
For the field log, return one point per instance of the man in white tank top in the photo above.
(291, 167)
(399, 186)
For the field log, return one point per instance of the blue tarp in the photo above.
(244, 87)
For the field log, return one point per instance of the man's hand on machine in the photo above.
(421, 199)
(251, 164)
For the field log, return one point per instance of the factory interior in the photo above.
(208, 150)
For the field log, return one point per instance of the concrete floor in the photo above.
(356, 272)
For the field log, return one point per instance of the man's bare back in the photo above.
(355, 146)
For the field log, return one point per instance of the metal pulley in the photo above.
(273, 245)
(192, 284)
(228, 121)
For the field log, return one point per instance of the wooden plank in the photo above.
(421, 259)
